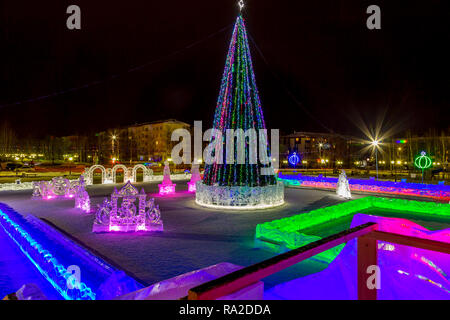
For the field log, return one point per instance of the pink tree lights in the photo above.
(166, 187)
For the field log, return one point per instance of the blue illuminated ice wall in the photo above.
(52, 254)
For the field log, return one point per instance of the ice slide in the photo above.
(406, 273)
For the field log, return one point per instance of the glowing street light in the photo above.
(113, 140)
(70, 166)
(375, 144)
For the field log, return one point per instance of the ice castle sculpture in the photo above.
(121, 214)
(343, 187)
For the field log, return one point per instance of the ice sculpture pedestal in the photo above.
(343, 187)
(166, 189)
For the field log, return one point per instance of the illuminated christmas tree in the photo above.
(239, 107)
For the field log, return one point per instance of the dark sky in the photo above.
(321, 51)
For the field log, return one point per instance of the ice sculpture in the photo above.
(82, 199)
(438, 191)
(121, 214)
(109, 175)
(116, 285)
(176, 288)
(166, 187)
(148, 173)
(246, 183)
(343, 188)
(30, 291)
(89, 174)
(194, 178)
(57, 187)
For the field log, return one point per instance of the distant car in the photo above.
(150, 164)
(13, 166)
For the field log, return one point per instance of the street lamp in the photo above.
(113, 139)
(131, 149)
(375, 144)
(70, 166)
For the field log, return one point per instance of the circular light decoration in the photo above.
(241, 4)
(294, 159)
(423, 161)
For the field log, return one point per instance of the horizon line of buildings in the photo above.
(151, 142)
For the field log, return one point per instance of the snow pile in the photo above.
(16, 186)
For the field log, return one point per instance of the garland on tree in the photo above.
(238, 107)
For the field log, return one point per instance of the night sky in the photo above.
(319, 51)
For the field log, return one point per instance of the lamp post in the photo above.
(320, 157)
(113, 139)
(375, 144)
(70, 166)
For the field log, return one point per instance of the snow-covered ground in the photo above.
(193, 237)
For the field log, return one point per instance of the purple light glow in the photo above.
(191, 186)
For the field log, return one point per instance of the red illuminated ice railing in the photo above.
(367, 236)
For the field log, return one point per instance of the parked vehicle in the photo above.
(13, 166)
